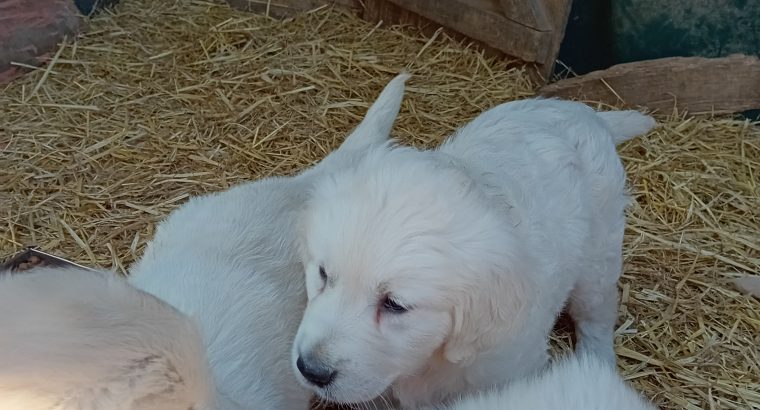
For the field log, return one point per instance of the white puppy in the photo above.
(73, 339)
(576, 383)
(436, 273)
(229, 261)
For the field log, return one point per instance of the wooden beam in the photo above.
(31, 30)
(531, 13)
(557, 12)
(476, 22)
(694, 84)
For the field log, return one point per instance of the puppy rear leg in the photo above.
(594, 308)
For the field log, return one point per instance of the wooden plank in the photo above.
(31, 30)
(557, 12)
(694, 84)
(483, 25)
(531, 13)
(486, 23)
(389, 13)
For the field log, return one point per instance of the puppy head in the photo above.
(405, 263)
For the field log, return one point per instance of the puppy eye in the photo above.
(392, 306)
(322, 273)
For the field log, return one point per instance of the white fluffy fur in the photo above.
(229, 261)
(484, 240)
(749, 285)
(72, 339)
(575, 383)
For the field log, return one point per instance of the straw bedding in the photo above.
(163, 100)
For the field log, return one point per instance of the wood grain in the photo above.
(694, 84)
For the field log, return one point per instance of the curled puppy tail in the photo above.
(627, 124)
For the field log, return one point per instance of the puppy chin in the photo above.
(337, 392)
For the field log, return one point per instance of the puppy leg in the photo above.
(593, 307)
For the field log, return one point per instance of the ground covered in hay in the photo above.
(163, 100)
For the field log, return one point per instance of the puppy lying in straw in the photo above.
(575, 383)
(73, 339)
(229, 261)
(436, 273)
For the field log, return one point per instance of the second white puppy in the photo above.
(229, 260)
(576, 383)
(436, 273)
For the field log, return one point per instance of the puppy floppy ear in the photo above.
(484, 317)
(376, 126)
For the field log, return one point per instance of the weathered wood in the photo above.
(531, 13)
(390, 13)
(481, 24)
(530, 30)
(31, 30)
(557, 12)
(693, 84)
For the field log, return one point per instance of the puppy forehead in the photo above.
(388, 192)
(414, 287)
(356, 233)
(412, 266)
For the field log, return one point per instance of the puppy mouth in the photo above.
(336, 393)
(327, 393)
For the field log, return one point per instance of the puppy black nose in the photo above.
(316, 373)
